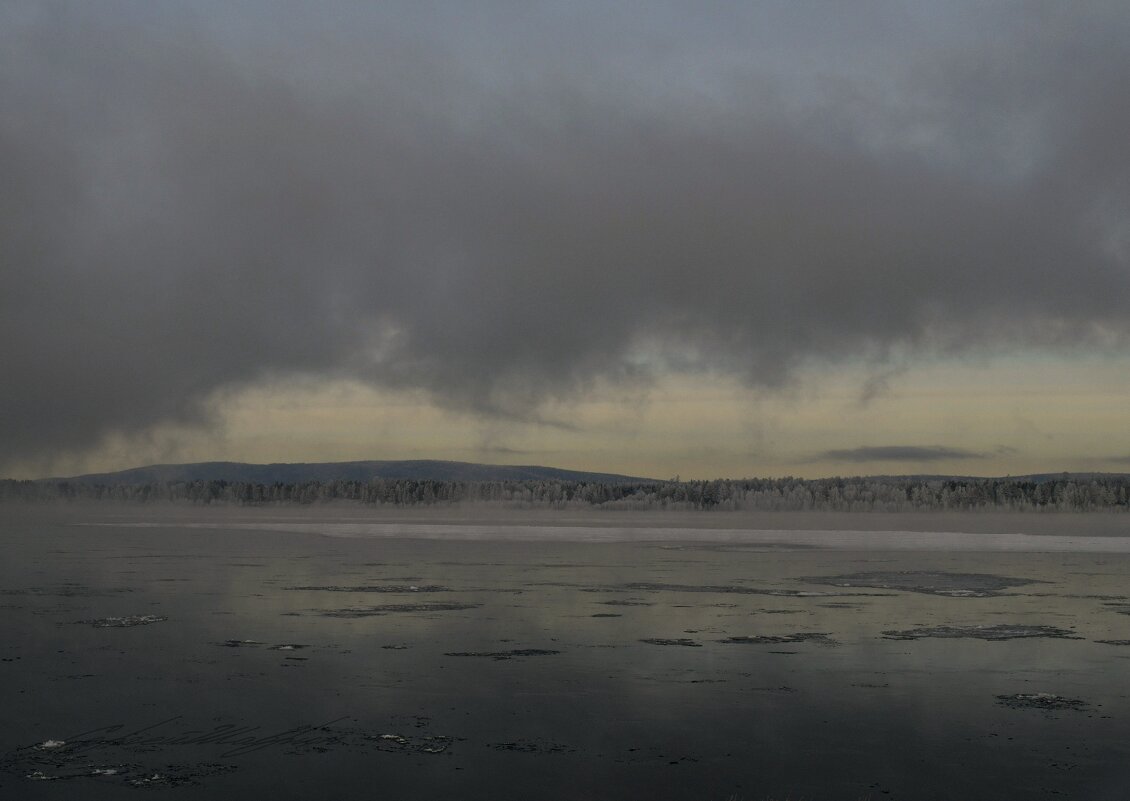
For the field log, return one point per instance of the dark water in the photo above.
(219, 663)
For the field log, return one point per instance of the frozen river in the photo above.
(207, 655)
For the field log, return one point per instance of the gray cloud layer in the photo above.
(900, 453)
(499, 208)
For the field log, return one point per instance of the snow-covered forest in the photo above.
(885, 494)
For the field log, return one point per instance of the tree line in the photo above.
(887, 494)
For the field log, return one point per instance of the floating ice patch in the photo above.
(533, 747)
(503, 655)
(180, 775)
(1039, 701)
(679, 641)
(148, 781)
(725, 589)
(123, 622)
(953, 585)
(779, 639)
(48, 745)
(427, 744)
(1001, 631)
(385, 588)
(384, 609)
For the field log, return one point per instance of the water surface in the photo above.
(220, 659)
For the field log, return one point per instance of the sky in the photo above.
(694, 239)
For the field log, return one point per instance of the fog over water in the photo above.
(836, 539)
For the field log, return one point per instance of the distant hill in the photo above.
(290, 473)
(1041, 478)
(1035, 478)
(436, 470)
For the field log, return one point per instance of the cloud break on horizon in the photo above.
(575, 233)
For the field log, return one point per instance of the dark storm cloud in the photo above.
(899, 453)
(501, 211)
